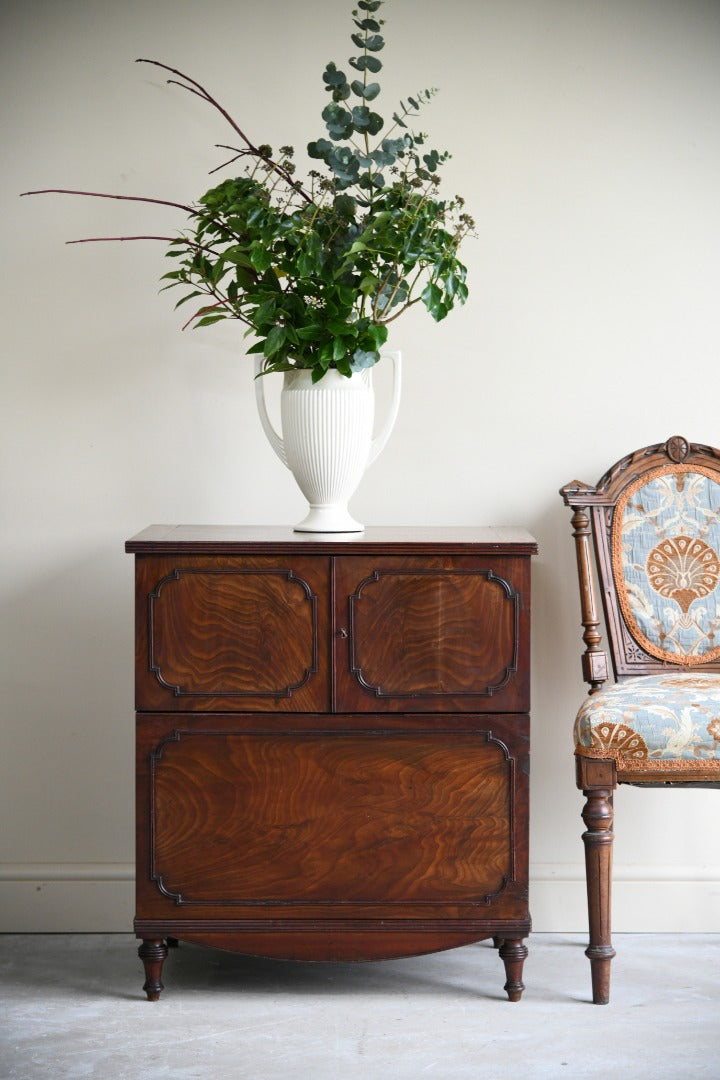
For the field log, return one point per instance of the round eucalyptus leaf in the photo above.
(332, 76)
(363, 358)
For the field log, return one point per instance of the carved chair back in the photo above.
(654, 518)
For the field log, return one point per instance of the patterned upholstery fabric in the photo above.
(665, 544)
(654, 719)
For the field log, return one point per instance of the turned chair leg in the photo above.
(598, 839)
(153, 952)
(513, 954)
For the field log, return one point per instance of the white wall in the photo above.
(586, 139)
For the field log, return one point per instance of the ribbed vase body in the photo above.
(327, 431)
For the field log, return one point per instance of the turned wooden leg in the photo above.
(152, 952)
(598, 817)
(513, 953)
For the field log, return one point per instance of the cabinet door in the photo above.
(232, 633)
(439, 634)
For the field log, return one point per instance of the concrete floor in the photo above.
(71, 1008)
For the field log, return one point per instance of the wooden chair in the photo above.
(654, 522)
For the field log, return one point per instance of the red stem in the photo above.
(102, 195)
(103, 239)
(180, 240)
(198, 89)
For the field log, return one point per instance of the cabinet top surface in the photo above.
(241, 539)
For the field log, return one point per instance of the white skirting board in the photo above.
(38, 898)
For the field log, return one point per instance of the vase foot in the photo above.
(328, 519)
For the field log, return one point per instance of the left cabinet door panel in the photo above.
(232, 633)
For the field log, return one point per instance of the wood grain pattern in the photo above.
(237, 633)
(432, 633)
(414, 632)
(383, 819)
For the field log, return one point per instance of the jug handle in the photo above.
(378, 443)
(274, 439)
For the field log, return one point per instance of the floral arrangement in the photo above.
(316, 270)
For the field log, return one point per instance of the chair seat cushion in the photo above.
(670, 720)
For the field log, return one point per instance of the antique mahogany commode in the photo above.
(332, 742)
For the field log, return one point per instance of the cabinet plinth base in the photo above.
(342, 946)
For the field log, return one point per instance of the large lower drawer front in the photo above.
(237, 822)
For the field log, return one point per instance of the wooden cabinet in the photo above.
(332, 742)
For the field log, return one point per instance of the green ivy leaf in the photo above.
(344, 367)
(274, 341)
(190, 296)
(260, 256)
(378, 334)
(312, 332)
(341, 329)
(266, 312)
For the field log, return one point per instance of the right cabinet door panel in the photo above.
(440, 634)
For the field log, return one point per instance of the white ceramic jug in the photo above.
(327, 438)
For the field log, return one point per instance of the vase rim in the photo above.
(331, 380)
